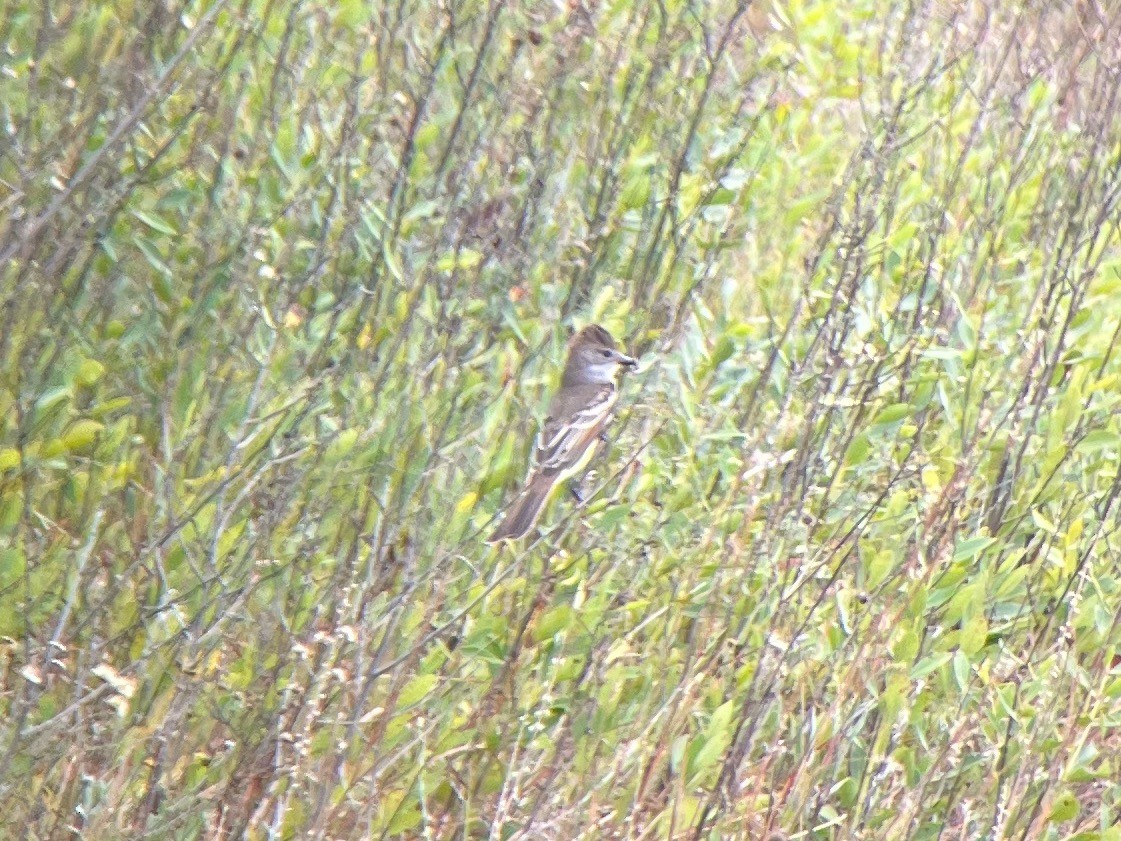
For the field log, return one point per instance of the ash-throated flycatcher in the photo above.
(580, 411)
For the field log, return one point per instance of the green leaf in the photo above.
(109, 406)
(9, 458)
(89, 372)
(343, 444)
(392, 262)
(156, 261)
(416, 689)
(1098, 440)
(51, 398)
(972, 548)
(461, 260)
(1042, 522)
(723, 350)
(405, 819)
(81, 435)
(467, 502)
(12, 566)
(973, 634)
(1012, 584)
(423, 210)
(847, 790)
(930, 663)
(635, 192)
(677, 752)
(965, 603)
(962, 670)
(714, 741)
(1064, 808)
(892, 414)
(553, 622)
(879, 565)
(154, 222)
(857, 452)
(906, 648)
(352, 13)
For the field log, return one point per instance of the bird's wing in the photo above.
(575, 420)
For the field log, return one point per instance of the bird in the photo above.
(577, 417)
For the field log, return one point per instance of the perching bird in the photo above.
(580, 411)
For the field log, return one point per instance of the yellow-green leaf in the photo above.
(416, 689)
(81, 435)
(973, 635)
(892, 414)
(553, 622)
(89, 372)
(1064, 808)
(465, 259)
(715, 739)
(906, 647)
(9, 458)
(466, 502)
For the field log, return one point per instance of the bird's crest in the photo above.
(593, 334)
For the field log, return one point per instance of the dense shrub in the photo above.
(284, 288)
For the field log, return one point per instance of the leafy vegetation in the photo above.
(285, 287)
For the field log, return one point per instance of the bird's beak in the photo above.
(627, 361)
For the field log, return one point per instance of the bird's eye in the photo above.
(605, 353)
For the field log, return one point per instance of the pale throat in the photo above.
(591, 374)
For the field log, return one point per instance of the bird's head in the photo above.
(594, 357)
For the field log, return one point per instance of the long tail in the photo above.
(523, 511)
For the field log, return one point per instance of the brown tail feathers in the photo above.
(523, 512)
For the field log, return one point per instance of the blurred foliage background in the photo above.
(284, 288)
